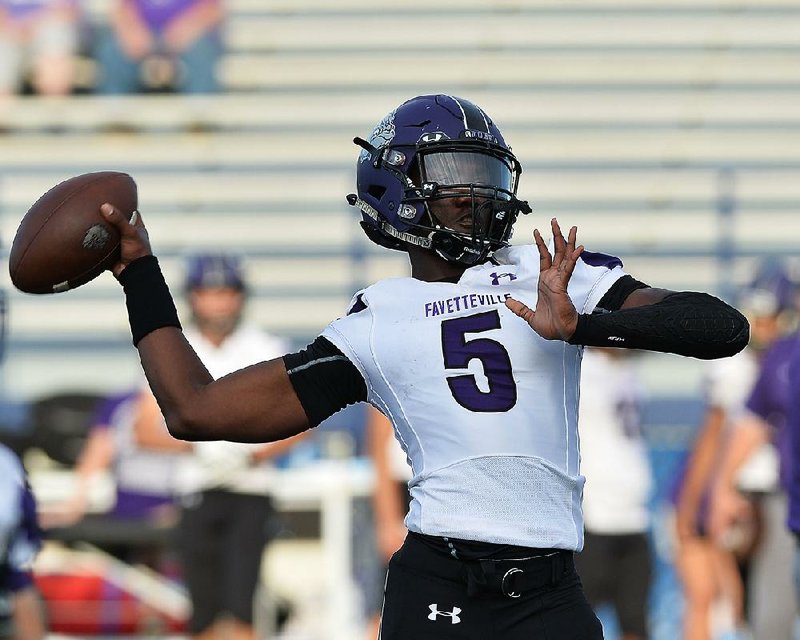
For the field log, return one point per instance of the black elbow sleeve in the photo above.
(685, 323)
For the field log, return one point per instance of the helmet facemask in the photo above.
(425, 160)
(468, 191)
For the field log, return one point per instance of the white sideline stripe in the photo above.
(138, 580)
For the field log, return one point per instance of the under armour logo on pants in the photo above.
(453, 615)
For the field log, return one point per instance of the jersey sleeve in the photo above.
(594, 275)
(763, 399)
(351, 333)
(324, 380)
(327, 375)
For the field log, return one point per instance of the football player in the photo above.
(475, 358)
(21, 611)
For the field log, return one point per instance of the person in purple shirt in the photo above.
(142, 479)
(764, 423)
(136, 527)
(161, 43)
(793, 484)
(793, 441)
(40, 39)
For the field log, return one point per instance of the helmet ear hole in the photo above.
(413, 171)
(376, 191)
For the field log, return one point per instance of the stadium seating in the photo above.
(666, 131)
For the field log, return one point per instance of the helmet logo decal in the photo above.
(496, 277)
(436, 136)
(382, 135)
(474, 134)
(395, 158)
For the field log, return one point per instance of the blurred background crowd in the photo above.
(664, 129)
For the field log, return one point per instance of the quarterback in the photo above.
(475, 359)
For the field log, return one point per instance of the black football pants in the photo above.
(432, 596)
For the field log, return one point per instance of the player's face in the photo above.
(764, 329)
(217, 309)
(456, 212)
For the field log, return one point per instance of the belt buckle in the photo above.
(504, 588)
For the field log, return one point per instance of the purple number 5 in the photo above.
(458, 351)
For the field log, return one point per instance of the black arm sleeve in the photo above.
(616, 295)
(324, 380)
(687, 323)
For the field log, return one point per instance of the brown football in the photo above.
(63, 241)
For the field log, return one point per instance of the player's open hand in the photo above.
(555, 317)
(134, 241)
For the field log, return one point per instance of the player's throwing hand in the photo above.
(555, 317)
(134, 241)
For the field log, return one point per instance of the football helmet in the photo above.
(432, 148)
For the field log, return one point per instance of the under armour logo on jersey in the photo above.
(453, 615)
(496, 277)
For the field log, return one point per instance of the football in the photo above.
(63, 241)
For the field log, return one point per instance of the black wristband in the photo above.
(147, 296)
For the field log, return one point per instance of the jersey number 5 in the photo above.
(458, 351)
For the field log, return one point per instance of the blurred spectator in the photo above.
(763, 425)
(793, 438)
(136, 527)
(38, 39)
(21, 614)
(615, 565)
(157, 44)
(714, 569)
(391, 498)
(227, 515)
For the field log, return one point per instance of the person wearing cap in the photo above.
(719, 524)
(756, 468)
(227, 516)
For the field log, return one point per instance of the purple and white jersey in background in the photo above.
(20, 537)
(485, 409)
(770, 398)
(793, 437)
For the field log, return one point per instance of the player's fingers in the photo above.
(545, 259)
(572, 260)
(116, 217)
(520, 309)
(559, 243)
(572, 238)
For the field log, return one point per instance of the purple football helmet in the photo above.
(430, 148)
(772, 291)
(214, 271)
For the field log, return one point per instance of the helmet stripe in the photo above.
(474, 118)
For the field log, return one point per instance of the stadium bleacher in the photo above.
(666, 131)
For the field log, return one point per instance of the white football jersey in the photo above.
(485, 409)
(219, 463)
(614, 456)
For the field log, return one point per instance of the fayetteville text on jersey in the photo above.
(470, 301)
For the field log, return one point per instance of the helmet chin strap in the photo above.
(453, 246)
(452, 249)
